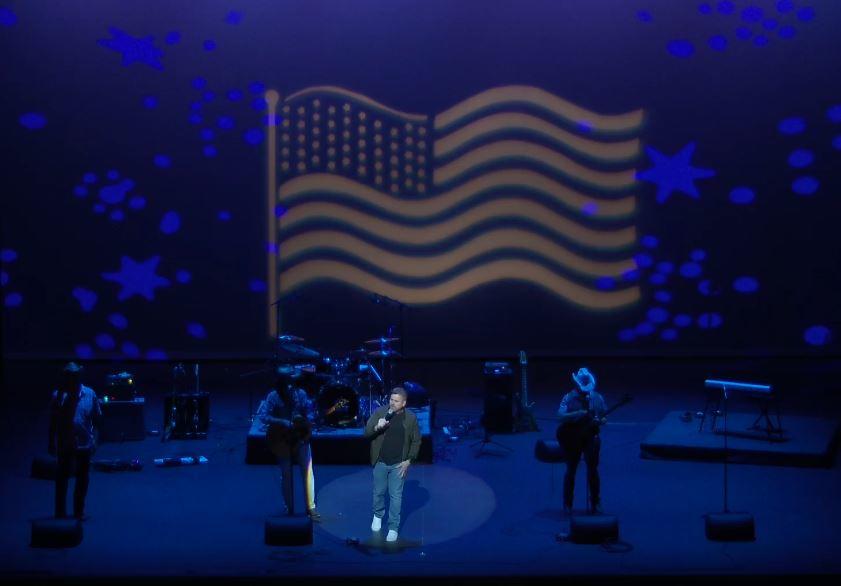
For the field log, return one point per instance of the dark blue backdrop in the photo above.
(133, 153)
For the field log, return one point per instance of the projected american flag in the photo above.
(513, 183)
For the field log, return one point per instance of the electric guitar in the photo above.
(525, 417)
(587, 425)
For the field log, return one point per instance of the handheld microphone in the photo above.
(389, 415)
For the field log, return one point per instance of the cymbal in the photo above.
(298, 350)
(290, 338)
(384, 353)
(381, 340)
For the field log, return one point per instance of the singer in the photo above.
(395, 443)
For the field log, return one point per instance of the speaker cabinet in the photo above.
(730, 527)
(56, 533)
(593, 528)
(288, 530)
(498, 415)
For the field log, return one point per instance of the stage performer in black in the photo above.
(395, 443)
(74, 412)
(581, 414)
(288, 414)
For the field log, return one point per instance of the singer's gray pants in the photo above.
(388, 477)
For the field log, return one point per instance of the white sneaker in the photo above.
(392, 535)
(376, 524)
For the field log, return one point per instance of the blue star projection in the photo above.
(674, 173)
(133, 50)
(137, 278)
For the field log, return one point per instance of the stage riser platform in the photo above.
(805, 442)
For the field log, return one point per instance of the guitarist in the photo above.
(581, 414)
(287, 415)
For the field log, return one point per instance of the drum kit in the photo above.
(348, 386)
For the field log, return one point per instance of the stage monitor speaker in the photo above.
(288, 530)
(498, 415)
(593, 528)
(56, 533)
(549, 451)
(730, 527)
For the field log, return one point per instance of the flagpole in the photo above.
(273, 325)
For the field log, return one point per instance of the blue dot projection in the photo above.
(7, 17)
(133, 50)
(170, 223)
(137, 278)
(806, 185)
(726, 7)
(233, 17)
(680, 48)
(111, 195)
(183, 276)
(86, 298)
(172, 38)
(674, 173)
(84, 351)
(746, 285)
(224, 216)
(209, 45)
(130, 350)
(717, 43)
(150, 102)
(196, 330)
(745, 20)
(11, 299)
(817, 335)
(118, 320)
(33, 121)
(105, 341)
(793, 125)
(649, 241)
(742, 195)
(257, 285)
(667, 313)
(801, 158)
(225, 118)
(804, 157)
(162, 161)
(710, 321)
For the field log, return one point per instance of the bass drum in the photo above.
(338, 405)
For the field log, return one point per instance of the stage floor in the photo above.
(495, 513)
(805, 441)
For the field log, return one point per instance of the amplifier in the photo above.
(123, 420)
